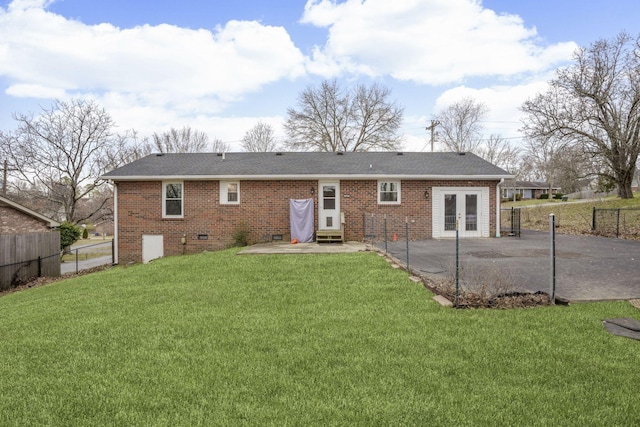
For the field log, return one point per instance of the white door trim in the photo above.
(437, 209)
(326, 216)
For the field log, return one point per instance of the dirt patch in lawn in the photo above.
(42, 281)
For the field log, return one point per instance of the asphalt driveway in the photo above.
(70, 266)
(588, 268)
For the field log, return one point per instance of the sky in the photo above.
(222, 66)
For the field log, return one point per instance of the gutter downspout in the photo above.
(498, 201)
(115, 222)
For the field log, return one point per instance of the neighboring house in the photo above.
(104, 228)
(169, 204)
(17, 219)
(29, 245)
(526, 189)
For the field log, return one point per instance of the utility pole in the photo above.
(432, 128)
(4, 179)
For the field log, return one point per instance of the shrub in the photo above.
(558, 196)
(510, 199)
(544, 196)
(241, 235)
(69, 234)
(85, 233)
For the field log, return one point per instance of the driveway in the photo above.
(84, 247)
(70, 266)
(588, 268)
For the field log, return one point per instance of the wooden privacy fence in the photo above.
(28, 255)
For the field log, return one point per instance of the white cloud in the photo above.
(429, 42)
(147, 119)
(187, 70)
(35, 91)
(154, 77)
(504, 104)
(29, 4)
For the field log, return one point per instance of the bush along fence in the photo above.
(618, 222)
(88, 256)
(24, 257)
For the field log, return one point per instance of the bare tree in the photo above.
(564, 166)
(173, 141)
(218, 146)
(460, 124)
(594, 104)
(500, 152)
(59, 155)
(557, 164)
(260, 138)
(182, 140)
(330, 118)
(126, 150)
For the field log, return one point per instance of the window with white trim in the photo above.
(389, 192)
(229, 192)
(172, 200)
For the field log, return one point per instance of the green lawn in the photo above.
(221, 339)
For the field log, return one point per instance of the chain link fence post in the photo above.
(406, 226)
(552, 240)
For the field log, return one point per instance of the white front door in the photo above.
(466, 206)
(329, 205)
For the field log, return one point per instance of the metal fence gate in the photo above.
(510, 222)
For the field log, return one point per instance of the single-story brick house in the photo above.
(170, 204)
(526, 189)
(17, 219)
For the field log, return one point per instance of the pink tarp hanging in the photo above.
(301, 219)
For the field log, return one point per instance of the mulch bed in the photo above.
(503, 300)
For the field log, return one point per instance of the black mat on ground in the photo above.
(624, 327)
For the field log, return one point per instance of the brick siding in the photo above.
(264, 211)
(13, 221)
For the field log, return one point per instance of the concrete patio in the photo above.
(304, 248)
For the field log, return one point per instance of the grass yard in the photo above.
(572, 217)
(220, 339)
(93, 247)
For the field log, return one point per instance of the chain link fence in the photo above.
(616, 222)
(392, 232)
(26, 256)
(88, 256)
(18, 273)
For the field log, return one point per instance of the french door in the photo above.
(461, 208)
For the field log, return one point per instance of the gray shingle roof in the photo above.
(307, 165)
